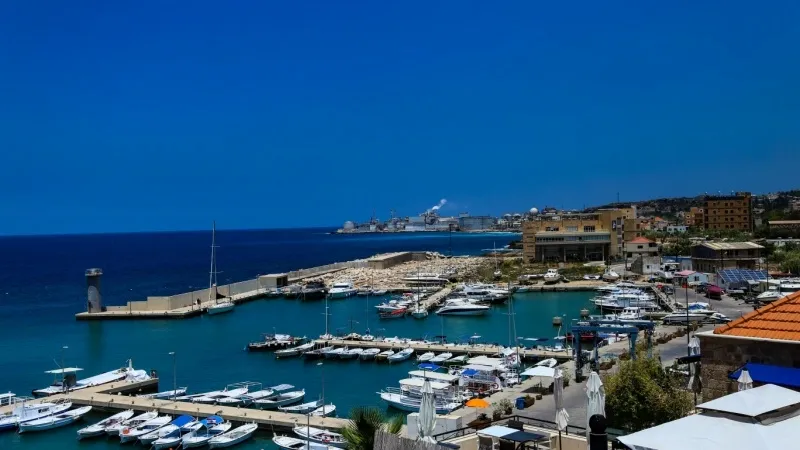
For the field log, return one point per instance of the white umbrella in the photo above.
(694, 346)
(597, 398)
(562, 416)
(427, 414)
(745, 381)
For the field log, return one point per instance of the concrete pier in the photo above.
(109, 398)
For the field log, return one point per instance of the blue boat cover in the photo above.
(182, 420)
(469, 372)
(429, 366)
(765, 373)
(210, 421)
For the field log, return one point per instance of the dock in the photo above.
(470, 350)
(111, 398)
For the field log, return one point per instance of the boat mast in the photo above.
(212, 274)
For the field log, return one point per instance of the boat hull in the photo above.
(220, 309)
(49, 426)
(478, 312)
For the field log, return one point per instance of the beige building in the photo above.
(694, 218)
(575, 237)
(710, 257)
(728, 212)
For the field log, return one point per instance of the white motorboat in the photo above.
(248, 398)
(173, 438)
(384, 355)
(211, 426)
(379, 292)
(282, 399)
(303, 408)
(391, 306)
(290, 443)
(770, 296)
(551, 276)
(412, 404)
(336, 353)
(549, 362)
(294, 351)
(351, 353)
(172, 429)
(210, 398)
(440, 358)
(68, 373)
(54, 421)
(342, 289)
(701, 315)
(610, 275)
(7, 398)
(128, 434)
(425, 279)
(99, 428)
(166, 394)
(402, 355)
(425, 357)
(226, 305)
(456, 360)
(320, 436)
(369, 353)
(419, 312)
(324, 411)
(458, 307)
(233, 437)
(31, 411)
(115, 428)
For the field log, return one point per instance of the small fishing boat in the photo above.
(165, 394)
(351, 353)
(402, 355)
(302, 408)
(379, 292)
(549, 362)
(318, 353)
(335, 353)
(396, 314)
(31, 411)
(212, 426)
(248, 398)
(412, 404)
(99, 428)
(324, 411)
(210, 398)
(425, 357)
(54, 421)
(114, 429)
(456, 360)
(127, 434)
(294, 351)
(290, 443)
(282, 399)
(552, 276)
(320, 436)
(173, 438)
(174, 428)
(369, 353)
(440, 358)
(233, 437)
(384, 355)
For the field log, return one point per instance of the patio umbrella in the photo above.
(745, 381)
(694, 346)
(477, 403)
(562, 416)
(427, 414)
(596, 395)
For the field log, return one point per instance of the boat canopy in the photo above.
(282, 387)
(443, 377)
(479, 368)
(182, 420)
(429, 366)
(418, 382)
(212, 420)
(469, 372)
(64, 370)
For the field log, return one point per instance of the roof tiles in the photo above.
(777, 320)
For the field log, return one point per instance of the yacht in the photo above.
(551, 276)
(462, 308)
(695, 315)
(313, 290)
(342, 289)
(67, 375)
(770, 296)
(391, 306)
(425, 279)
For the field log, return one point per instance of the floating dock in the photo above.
(110, 398)
(470, 350)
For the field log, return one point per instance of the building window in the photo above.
(572, 228)
(588, 228)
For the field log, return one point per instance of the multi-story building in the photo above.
(713, 256)
(572, 237)
(694, 218)
(614, 220)
(476, 223)
(728, 212)
(640, 246)
(636, 228)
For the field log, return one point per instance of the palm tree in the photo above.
(364, 422)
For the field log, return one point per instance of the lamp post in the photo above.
(174, 376)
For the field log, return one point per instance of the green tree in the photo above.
(791, 262)
(364, 422)
(641, 394)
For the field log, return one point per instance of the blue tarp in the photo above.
(764, 373)
(469, 372)
(182, 420)
(429, 366)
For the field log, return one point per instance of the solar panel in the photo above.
(737, 275)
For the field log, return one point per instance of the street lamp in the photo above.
(174, 376)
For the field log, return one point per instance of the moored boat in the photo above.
(425, 357)
(172, 429)
(384, 355)
(128, 434)
(282, 399)
(166, 394)
(99, 428)
(211, 426)
(302, 408)
(133, 422)
(233, 437)
(294, 351)
(440, 358)
(342, 289)
(290, 443)
(54, 421)
(402, 355)
(320, 436)
(324, 411)
(369, 353)
(31, 411)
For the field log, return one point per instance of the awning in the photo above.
(469, 372)
(540, 371)
(429, 366)
(684, 273)
(510, 434)
(764, 373)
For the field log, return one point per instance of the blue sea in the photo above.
(42, 286)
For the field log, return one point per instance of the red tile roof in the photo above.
(777, 320)
(640, 240)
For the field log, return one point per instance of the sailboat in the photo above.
(419, 312)
(226, 304)
(497, 272)
(327, 336)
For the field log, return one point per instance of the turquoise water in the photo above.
(210, 351)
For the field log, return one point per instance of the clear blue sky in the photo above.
(127, 116)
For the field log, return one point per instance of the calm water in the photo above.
(41, 279)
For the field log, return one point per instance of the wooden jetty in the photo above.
(110, 397)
